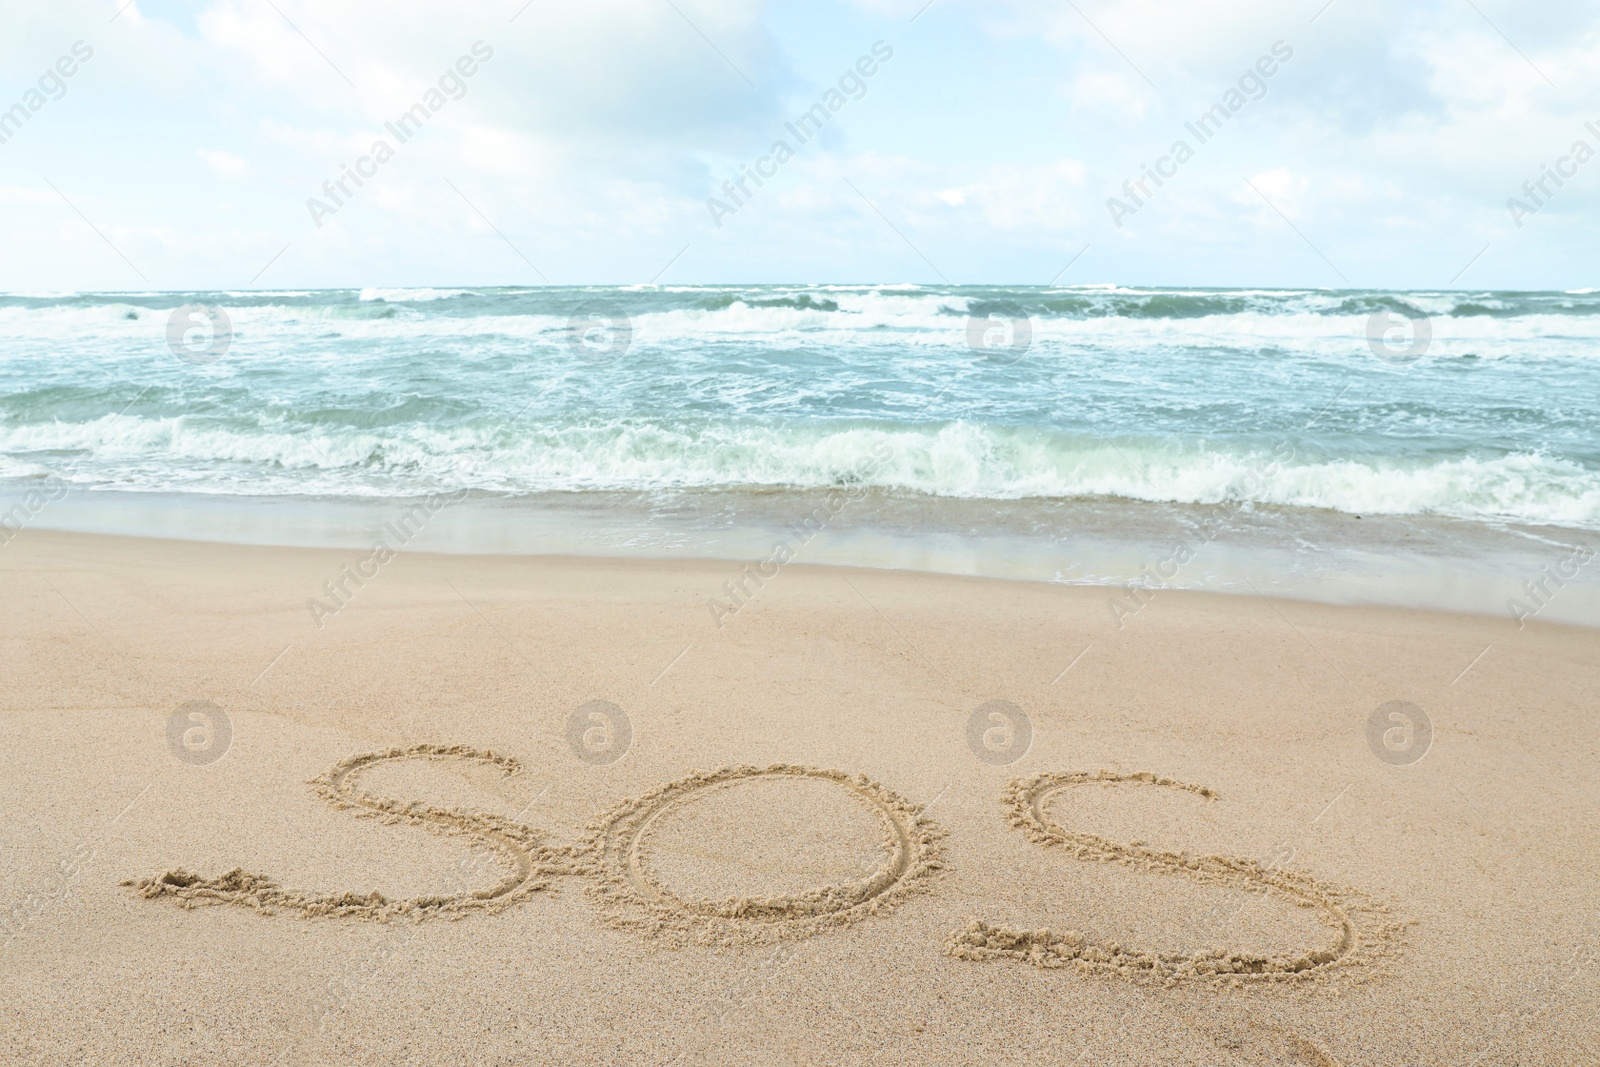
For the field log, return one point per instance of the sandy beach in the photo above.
(846, 534)
(872, 816)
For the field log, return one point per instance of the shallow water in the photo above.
(1184, 396)
(1075, 435)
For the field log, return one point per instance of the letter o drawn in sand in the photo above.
(632, 895)
(1361, 928)
(1399, 733)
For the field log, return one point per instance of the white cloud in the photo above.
(225, 164)
(596, 132)
(1284, 190)
(1038, 197)
(1120, 93)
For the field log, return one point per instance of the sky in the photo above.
(196, 145)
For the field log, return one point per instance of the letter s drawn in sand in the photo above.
(1361, 928)
(530, 862)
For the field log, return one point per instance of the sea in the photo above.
(1418, 448)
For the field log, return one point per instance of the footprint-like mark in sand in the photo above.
(632, 896)
(1360, 928)
(529, 861)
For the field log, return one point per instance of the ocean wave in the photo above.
(1484, 325)
(957, 459)
(130, 331)
(411, 296)
(382, 392)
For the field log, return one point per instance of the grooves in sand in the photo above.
(1339, 907)
(531, 862)
(631, 894)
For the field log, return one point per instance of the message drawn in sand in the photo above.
(1360, 929)
(632, 896)
(528, 861)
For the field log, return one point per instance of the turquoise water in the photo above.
(1096, 394)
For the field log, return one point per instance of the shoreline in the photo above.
(1131, 549)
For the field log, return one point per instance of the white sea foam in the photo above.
(390, 391)
(960, 459)
(861, 319)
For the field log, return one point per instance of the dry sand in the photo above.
(597, 828)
